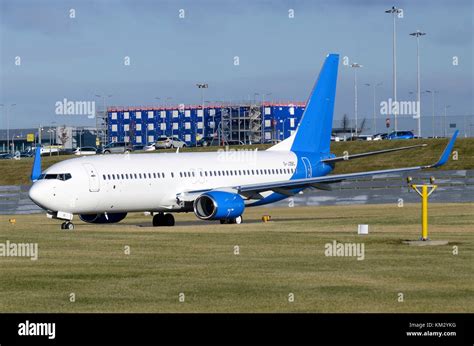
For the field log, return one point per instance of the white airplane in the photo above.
(213, 185)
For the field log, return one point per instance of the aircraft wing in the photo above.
(370, 153)
(286, 186)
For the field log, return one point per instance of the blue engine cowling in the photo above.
(218, 205)
(100, 218)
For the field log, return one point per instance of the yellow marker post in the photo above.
(424, 193)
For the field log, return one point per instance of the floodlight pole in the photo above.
(374, 86)
(445, 119)
(8, 122)
(433, 92)
(417, 34)
(394, 11)
(355, 66)
(201, 86)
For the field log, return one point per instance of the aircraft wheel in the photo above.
(168, 220)
(67, 225)
(158, 220)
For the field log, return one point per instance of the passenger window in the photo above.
(103, 177)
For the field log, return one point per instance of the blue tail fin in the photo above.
(36, 169)
(315, 127)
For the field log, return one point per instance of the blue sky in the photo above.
(78, 58)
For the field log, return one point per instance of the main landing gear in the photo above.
(237, 220)
(161, 219)
(68, 225)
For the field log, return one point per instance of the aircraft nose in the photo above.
(36, 194)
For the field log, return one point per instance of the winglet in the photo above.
(36, 169)
(447, 151)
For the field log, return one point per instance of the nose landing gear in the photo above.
(67, 225)
(162, 219)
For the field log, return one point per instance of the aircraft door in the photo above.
(94, 185)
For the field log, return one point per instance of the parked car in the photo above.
(234, 142)
(207, 141)
(29, 153)
(117, 148)
(150, 147)
(85, 151)
(165, 142)
(50, 149)
(138, 147)
(365, 138)
(380, 136)
(401, 135)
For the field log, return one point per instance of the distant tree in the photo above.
(345, 122)
(63, 135)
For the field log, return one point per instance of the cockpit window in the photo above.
(60, 176)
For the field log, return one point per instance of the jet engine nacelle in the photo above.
(218, 205)
(101, 218)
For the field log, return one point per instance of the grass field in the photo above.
(277, 258)
(14, 172)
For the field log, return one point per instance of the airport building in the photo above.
(227, 123)
(68, 137)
